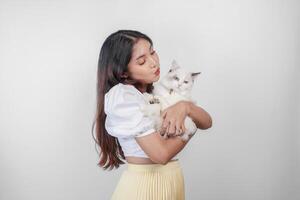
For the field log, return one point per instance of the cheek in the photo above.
(175, 83)
(140, 75)
(143, 76)
(188, 86)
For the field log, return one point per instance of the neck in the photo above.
(141, 87)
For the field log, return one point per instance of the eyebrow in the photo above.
(143, 54)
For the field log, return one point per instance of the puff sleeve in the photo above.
(124, 117)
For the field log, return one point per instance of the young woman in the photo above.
(128, 66)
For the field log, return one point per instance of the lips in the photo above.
(157, 71)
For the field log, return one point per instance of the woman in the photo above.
(128, 66)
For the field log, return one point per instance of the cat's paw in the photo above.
(184, 137)
(154, 101)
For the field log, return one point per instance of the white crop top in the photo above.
(125, 120)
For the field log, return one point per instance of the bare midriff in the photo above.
(140, 160)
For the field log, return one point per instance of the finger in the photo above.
(165, 136)
(163, 114)
(178, 131)
(165, 124)
(163, 133)
(182, 131)
(183, 128)
(172, 130)
(167, 131)
(162, 130)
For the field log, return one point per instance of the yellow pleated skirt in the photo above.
(151, 182)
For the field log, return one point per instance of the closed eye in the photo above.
(185, 81)
(143, 62)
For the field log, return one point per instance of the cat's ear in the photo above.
(174, 63)
(174, 66)
(194, 75)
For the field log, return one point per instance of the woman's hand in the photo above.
(173, 119)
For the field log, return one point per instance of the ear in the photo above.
(194, 75)
(125, 75)
(174, 66)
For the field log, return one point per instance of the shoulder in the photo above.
(120, 87)
(124, 114)
(122, 94)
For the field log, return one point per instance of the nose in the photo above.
(153, 62)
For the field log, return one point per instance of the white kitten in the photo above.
(175, 86)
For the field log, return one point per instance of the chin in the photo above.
(156, 78)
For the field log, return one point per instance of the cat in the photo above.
(175, 86)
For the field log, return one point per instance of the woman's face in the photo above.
(144, 63)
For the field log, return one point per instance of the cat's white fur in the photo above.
(168, 91)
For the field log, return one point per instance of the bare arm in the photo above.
(201, 118)
(174, 117)
(161, 150)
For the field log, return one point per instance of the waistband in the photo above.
(171, 165)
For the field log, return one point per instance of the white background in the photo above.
(247, 51)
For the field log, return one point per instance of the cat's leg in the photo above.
(155, 99)
(185, 137)
(191, 128)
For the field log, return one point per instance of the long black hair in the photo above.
(114, 57)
